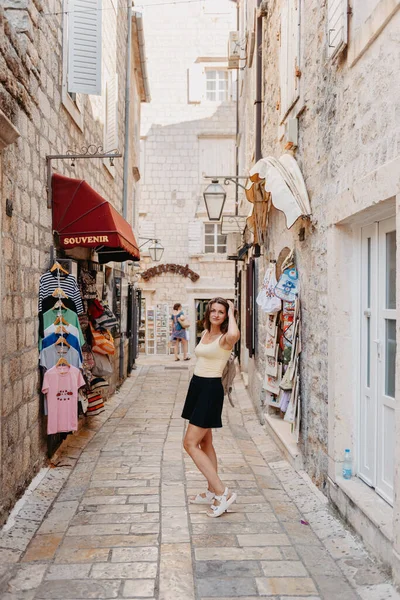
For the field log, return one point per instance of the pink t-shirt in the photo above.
(61, 385)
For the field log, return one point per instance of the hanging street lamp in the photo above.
(156, 250)
(214, 198)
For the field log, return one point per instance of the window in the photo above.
(210, 81)
(214, 241)
(217, 85)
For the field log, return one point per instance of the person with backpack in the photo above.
(204, 401)
(178, 331)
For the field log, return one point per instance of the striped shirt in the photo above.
(50, 282)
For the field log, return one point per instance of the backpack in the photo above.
(228, 375)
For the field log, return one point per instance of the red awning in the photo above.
(81, 217)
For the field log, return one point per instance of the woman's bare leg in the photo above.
(206, 445)
(192, 444)
(176, 349)
(185, 348)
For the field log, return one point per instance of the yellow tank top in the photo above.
(211, 359)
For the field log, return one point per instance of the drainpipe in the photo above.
(237, 349)
(258, 101)
(126, 160)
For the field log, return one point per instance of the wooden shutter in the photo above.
(217, 156)
(84, 46)
(250, 307)
(337, 26)
(195, 237)
(289, 54)
(196, 83)
(111, 128)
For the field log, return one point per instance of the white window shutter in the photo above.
(283, 58)
(337, 26)
(84, 46)
(289, 54)
(196, 83)
(111, 128)
(293, 52)
(234, 78)
(195, 235)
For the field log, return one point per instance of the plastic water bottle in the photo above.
(347, 466)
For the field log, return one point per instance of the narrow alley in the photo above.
(112, 519)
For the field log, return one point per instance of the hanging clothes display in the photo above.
(60, 341)
(75, 345)
(283, 346)
(61, 384)
(56, 279)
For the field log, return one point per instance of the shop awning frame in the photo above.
(283, 180)
(83, 218)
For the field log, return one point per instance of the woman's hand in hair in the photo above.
(231, 307)
(233, 334)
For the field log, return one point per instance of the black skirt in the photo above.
(204, 402)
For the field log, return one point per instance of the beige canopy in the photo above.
(283, 180)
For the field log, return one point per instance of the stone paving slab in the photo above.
(114, 521)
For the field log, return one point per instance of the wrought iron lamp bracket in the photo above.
(228, 179)
(91, 151)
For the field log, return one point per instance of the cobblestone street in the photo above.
(112, 519)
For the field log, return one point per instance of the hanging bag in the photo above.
(102, 341)
(107, 320)
(266, 298)
(228, 375)
(102, 366)
(184, 322)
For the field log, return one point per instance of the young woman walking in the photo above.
(204, 400)
(178, 332)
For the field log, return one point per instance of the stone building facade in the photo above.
(188, 130)
(39, 117)
(330, 97)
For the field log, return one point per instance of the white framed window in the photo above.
(210, 82)
(217, 85)
(214, 240)
(378, 357)
(289, 63)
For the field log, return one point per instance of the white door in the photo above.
(378, 357)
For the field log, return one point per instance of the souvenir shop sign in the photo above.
(178, 269)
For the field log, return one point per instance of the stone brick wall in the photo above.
(348, 127)
(172, 185)
(31, 97)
